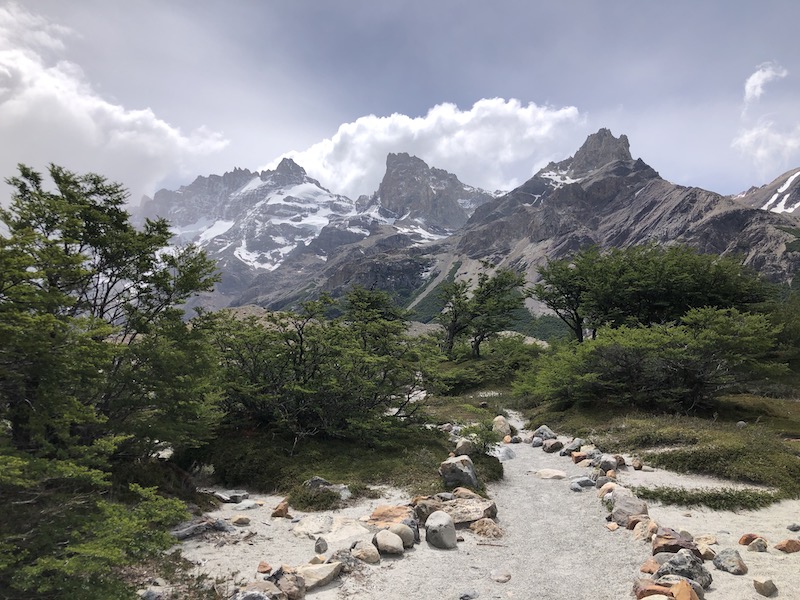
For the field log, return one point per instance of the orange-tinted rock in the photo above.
(683, 591)
(507, 439)
(620, 460)
(669, 540)
(789, 546)
(611, 473)
(748, 538)
(637, 464)
(579, 456)
(649, 566)
(385, 515)
(612, 526)
(462, 492)
(634, 520)
(264, 567)
(643, 588)
(282, 510)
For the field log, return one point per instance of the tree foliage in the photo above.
(96, 368)
(484, 312)
(642, 285)
(674, 367)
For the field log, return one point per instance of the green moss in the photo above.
(717, 499)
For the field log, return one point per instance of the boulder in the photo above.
(440, 531)
(461, 492)
(404, 532)
(730, 561)
(637, 464)
(551, 446)
(344, 531)
(318, 575)
(465, 446)
(544, 432)
(366, 551)
(458, 471)
(501, 425)
(625, 507)
(387, 542)
(579, 457)
(686, 564)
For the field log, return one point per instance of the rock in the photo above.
(669, 540)
(611, 474)
(388, 543)
(404, 532)
(264, 567)
(440, 531)
(681, 588)
(293, 585)
(245, 505)
(502, 453)
(641, 531)
(637, 464)
(458, 471)
(260, 590)
(645, 588)
(500, 575)
(344, 531)
(612, 526)
(571, 447)
(706, 538)
(507, 439)
(317, 560)
(606, 488)
(706, 551)
(366, 551)
(730, 560)
(605, 462)
(765, 587)
(467, 493)
(626, 507)
(747, 538)
(515, 439)
(544, 432)
(486, 528)
(413, 525)
(757, 545)
(500, 425)
(469, 595)
(650, 566)
(384, 515)
(686, 564)
(191, 530)
(741, 424)
(575, 487)
(789, 546)
(232, 496)
(282, 510)
(318, 575)
(312, 526)
(320, 546)
(583, 481)
(240, 520)
(551, 446)
(537, 442)
(794, 527)
(579, 457)
(461, 510)
(620, 461)
(550, 474)
(465, 446)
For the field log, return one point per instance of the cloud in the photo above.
(766, 72)
(770, 148)
(49, 112)
(489, 145)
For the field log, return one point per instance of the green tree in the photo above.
(489, 309)
(86, 304)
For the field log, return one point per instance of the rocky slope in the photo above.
(781, 195)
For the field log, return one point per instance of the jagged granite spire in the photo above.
(598, 150)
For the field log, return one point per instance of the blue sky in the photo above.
(153, 93)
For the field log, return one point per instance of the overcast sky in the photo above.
(153, 93)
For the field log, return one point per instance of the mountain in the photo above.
(601, 196)
(252, 223)
(780, 196)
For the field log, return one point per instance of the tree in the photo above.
(642, 285)
(488, 310)
(96, 367)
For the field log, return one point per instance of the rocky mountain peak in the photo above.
(286, 173)
(598, 150)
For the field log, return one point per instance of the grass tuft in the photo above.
(716, 499)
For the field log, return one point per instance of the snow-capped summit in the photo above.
(782, 195)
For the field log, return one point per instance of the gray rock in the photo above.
(470, 595)
(626, 507)
(502, 453)
(515, 439)
(350, 563)
(686, 564)
(583, 481)
(388, 542)
(245, 505)
(552, 445)
(536, 442)
(458, 471)
(605, 462)
(444, 496)
(730, 560)
(413, 524)
(573, 446)
(544, 432)
(794, 527)
(440, 531)
(319, 575)
(404, 532)
(232, 496)
(366, 552)
(465, 446)
(765, 587)
(757, 545)
(575, 487)
(320, 546)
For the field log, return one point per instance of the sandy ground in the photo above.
(556, 544)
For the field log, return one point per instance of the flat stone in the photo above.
(626, 507)
(384, 515)
(240, 520)
(500, 575)
(550, 474)
(318, 575)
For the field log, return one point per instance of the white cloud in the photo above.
(766, 72)
(49, 112)
(770, 149)
(489, 145)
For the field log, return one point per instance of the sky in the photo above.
(153, 93)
